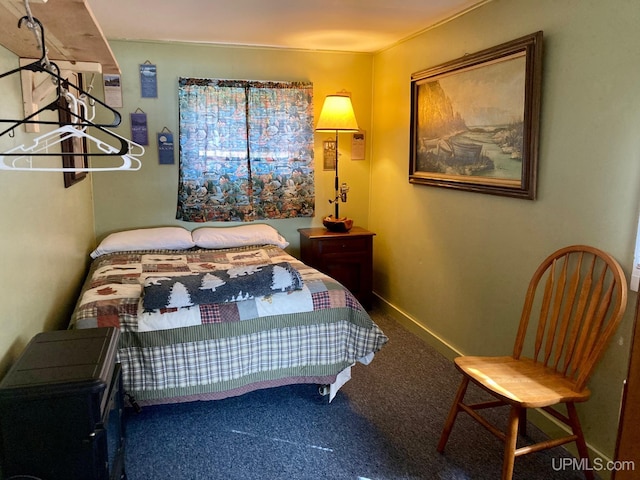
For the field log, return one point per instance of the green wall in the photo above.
(47, 233)
(456, 264)
(148, 197)
(451, 265)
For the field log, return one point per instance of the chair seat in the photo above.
(520, 382)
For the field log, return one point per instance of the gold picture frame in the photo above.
(475, 121)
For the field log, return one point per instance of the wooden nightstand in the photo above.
(347, 257)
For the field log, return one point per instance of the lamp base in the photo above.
(333, 224)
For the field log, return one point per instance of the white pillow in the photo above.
(229, 237)
(172, 238)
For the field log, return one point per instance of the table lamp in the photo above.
(337, 116)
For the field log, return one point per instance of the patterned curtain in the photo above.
(246, 150)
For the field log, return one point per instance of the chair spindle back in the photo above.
(578, 295)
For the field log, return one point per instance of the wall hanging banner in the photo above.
(358, 145)
(148, 80)
(112, 90)
(165, 147)
(139, 132)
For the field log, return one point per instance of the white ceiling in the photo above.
(342, 25)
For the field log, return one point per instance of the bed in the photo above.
(219, 312)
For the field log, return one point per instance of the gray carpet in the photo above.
(384, 424)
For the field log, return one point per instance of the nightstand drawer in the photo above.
(351, 245)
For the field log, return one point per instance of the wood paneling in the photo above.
(70, 29)
(628, 445)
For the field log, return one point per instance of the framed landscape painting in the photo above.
(475, 121)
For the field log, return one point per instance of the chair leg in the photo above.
(523, 421)
(510, 442)
(455, 408)
(583, 451)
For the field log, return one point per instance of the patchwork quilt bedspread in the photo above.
(204, 321)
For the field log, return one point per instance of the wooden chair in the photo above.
(577, 297)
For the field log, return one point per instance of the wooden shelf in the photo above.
(71, 32)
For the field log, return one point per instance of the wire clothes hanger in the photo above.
(80, 107)
(20, 158)
(21, 155)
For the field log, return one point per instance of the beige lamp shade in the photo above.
(337, 115)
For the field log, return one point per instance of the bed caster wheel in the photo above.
(133, 403)
(323, 390)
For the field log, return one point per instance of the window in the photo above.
(246, 150)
